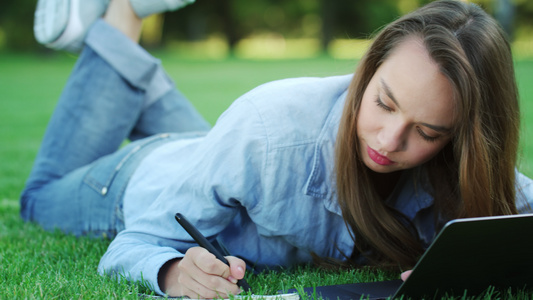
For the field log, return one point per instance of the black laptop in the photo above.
(466, 258)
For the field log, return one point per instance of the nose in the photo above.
(393, 137)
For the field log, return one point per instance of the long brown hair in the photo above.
(474, 174)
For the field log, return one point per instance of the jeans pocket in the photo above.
(104, 172)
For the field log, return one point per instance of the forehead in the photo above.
(422, 91)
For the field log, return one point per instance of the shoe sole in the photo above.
(51, 17)
(70, 38)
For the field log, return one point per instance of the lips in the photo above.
(378, 158)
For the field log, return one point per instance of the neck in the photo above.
(384, 183)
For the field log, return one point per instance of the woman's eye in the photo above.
(425, 136)
(382, 105)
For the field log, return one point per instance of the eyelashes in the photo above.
(383, 106)
(426, 137)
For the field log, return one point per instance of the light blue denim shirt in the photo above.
(260, 182)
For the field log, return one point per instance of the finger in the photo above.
(405, 275)
(208, 263)
(211, 273)
(191, 288)
(237, 268)
(197, 284)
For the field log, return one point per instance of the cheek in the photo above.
(421, 152)
(366, 118)
(360, 124)
(365, 126)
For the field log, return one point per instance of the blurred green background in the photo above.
(269, 28)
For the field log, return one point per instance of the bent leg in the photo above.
(164, 108)
(104, 102)
(171, 113)
(95, 113)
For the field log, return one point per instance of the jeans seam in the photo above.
(103, 188)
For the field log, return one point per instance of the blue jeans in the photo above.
(117, 91)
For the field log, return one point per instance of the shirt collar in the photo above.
(409, 196)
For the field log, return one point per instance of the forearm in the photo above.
(165, 277)
(136, 260)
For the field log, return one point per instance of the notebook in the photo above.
(467, 255)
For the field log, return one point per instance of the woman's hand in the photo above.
(199, 274)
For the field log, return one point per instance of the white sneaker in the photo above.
(63, 24)
(144, 8)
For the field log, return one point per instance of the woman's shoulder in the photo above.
(297, 106)
(294, 91)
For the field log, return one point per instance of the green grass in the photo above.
(38, 264)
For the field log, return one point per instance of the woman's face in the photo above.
(406, 114)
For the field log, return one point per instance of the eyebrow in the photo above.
(388, 92)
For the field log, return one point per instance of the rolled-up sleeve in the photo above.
(220, 176)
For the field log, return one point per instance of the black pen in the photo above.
(203, 242)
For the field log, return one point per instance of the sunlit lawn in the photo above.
(36, 264)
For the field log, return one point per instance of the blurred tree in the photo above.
(524, 16)
(325, 19)
(16, 24)
(327, 13)
(361, 18)
(236, 19)
(504, 12)
(228, 23)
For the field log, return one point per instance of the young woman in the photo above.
(359, 169)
